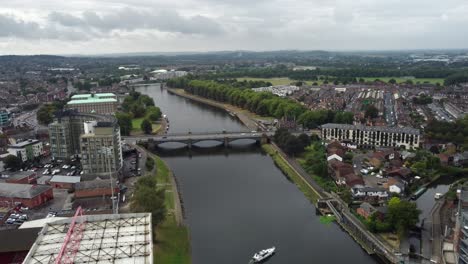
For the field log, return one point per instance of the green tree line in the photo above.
(349, 72)
(455, 132)
(261, 103)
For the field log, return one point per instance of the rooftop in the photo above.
(65, 179)
(407, 130)
(95, 184)
(16, 240)
(119, 238)
(85, 96)
(26, 191)
(24, 143)
(92, 100)
(18, 175)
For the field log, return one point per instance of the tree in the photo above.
(304, 139)
(402, 215)
(147, 198)
(125, 123)
(146, 126)
(45, 114)
(293, 145)
(12, 162)
(392, 81)
(371, 112)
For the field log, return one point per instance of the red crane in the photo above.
(71, 244)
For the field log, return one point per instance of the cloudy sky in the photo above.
(112, 26)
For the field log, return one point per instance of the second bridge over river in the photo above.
(189, 139)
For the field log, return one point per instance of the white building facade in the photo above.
(366, 136)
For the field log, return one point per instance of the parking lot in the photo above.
(361, 167)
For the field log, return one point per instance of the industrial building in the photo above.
(96, 188)
(29, 195)
(27, 150)
(64, 182)
(100, 103)
(367, 136)
(113, 238)
(21, 177)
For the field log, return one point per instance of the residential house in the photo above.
(369, 192)
(397, 188)
(366, 210)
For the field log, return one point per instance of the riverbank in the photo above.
(172, 243)
(309, 192)
(246, 117)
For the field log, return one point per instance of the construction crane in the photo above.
(71, 244)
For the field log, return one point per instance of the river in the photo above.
(238, 202)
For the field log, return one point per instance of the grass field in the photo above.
(136, 125)
(172, 243)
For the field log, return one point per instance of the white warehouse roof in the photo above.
(119, 238)
(65, 179)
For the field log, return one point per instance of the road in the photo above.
(389, 109)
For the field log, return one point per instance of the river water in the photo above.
(238, 202)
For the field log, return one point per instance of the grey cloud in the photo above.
(132, 19)
(12, 27)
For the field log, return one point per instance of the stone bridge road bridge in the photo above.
(192, 138)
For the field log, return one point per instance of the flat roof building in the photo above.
(27, 150)
(112, 238)
(101, 149)
(22, 177)
(101, 103)
(64, 182)
(372, 136)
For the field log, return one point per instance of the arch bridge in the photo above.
(189, 139)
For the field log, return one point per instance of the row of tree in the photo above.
(457, 78)
(455, 132)
(350, 72)
(289, 143)
(262, 103)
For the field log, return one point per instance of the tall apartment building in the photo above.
(5, 117)
(365, 136)
(26, 150)
(100, 103)
(101, 149)
(65, 131)
(81, 134)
